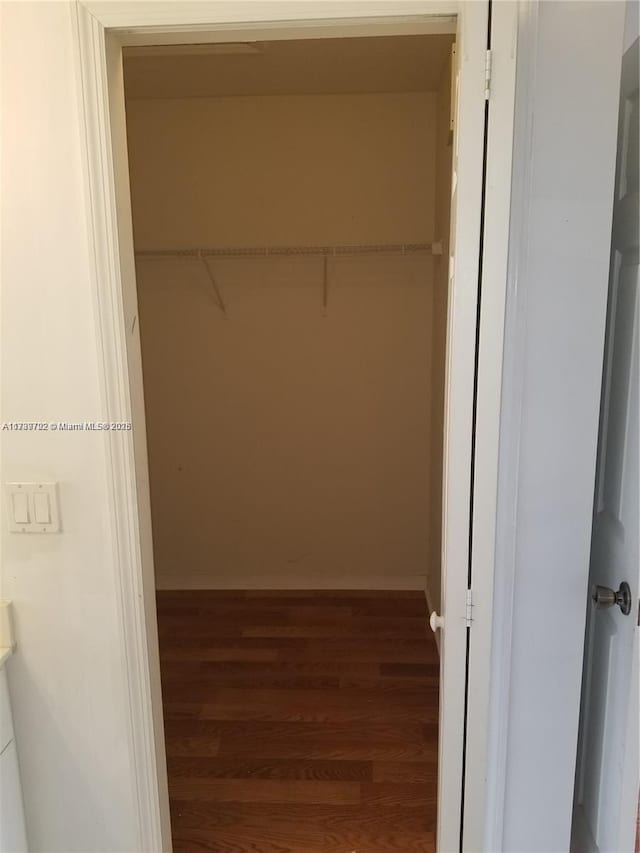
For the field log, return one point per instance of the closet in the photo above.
(290, 205)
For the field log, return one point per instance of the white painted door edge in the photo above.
(484, 541)
(119, 348)
(466, 225)
(511, 414)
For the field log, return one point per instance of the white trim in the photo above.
(199, 14)
(504, 26)
(287, 30)
(121, 472)
(122, 382)
(468, 150)
(510, 419)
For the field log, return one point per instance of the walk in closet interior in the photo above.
(290, 205)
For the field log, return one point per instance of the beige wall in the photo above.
(67, 680)
(282, 169)
(288, 446)
(440, 301)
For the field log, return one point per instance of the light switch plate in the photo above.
(29, 505)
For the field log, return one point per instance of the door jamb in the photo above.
(482, 808)
(101, 30)
(511, 416)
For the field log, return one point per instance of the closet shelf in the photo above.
(271, 251)
(325, 252)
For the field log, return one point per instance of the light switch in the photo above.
(32, 507)
(41, 512)
(20, 505)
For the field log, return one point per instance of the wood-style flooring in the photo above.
(300, 722)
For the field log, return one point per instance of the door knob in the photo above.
(435, 621)
(603, 597)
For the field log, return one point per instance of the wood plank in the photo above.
(268, 791)
(202, 745)
(313, 596)
(267, 614)
(395, 685)
(292, 674)
(303, 713)
(242, 653)
(406, 771)
(415, 650)
(386, 628)
(209, 679)
(282, 667)
(398, 795)
(410, 670)
(230, 768)
(241, 839)
(337, 698)
(338, 595)
(300, 828)
(303, 722)
(182, 710)
(262, 730)
(289, 705)
(297, 607)
(201, 688)
(302, 749)
(307, 818)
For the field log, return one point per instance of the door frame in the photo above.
(475, 340)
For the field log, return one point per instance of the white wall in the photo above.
(289, 446)
(555, 329)
(67, 678)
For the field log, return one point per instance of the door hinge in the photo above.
(487, 75)
(469, 608)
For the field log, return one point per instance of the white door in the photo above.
(606, 795)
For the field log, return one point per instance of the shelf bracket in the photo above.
(214, 283)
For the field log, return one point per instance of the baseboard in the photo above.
(431, 608)
(267, 580)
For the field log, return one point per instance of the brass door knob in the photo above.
(603, 597)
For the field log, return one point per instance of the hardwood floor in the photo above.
(300, 722)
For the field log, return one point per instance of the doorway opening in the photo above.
(290, 206)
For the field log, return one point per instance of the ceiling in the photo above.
(310, 66)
